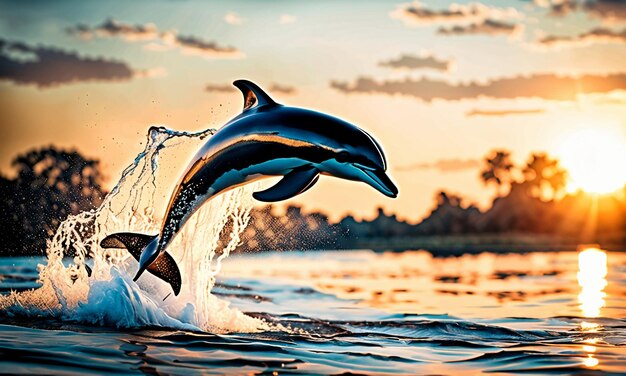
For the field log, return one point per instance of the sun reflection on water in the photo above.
(590, 349)
(592, 270)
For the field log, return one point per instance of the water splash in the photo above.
(109, 296)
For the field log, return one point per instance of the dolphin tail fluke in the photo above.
(164, 267)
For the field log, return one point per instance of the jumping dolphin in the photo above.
(267, 139)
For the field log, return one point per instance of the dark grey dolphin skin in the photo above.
(267, 139)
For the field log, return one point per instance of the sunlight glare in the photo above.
(590, 361)
(592, 280)
(592, 158)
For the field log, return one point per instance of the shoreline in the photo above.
(454, 245)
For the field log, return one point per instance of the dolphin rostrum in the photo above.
(267, 139)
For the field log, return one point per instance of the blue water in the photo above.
(353, 312)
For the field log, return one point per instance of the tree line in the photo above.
(51, 184)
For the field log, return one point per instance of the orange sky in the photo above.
(439, 89)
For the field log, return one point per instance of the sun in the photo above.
(595, 160)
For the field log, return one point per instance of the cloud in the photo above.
(195, 46)
(287, 19)
(152, 73)
(444, 165)
(220, 88)
(562, 8)
(228, 88)
(160, 40)
(597, 35)
(283, 89)
(489, 27)
(499, 113)
(48, 67)
(419, 62)
(113, 28)
(545, 86)
(616, 98)
(233, 18)
(606, 10)
(416, 14)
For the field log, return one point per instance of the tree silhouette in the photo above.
(50, 185)
(546, 179)
(497, 170)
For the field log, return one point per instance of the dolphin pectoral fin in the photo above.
(164, 267)
(292, 184)
(253, 96)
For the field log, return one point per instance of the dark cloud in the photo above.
(598, 35)
(47, 66)
(545, 86)
(160, 40)
(417, 14)
(610, 10)
(489, 27)
(498, 113)
(443, 165)
(607, 10)
(419, 62)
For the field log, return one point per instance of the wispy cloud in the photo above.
(282, 89)
(488, 27)
(228, 88)
(417, 14)
(613, 99)
(233, 18)
(195, 46)
(113, 28)
(160, 40)
(287, 19)
(443, 165)
(506, 112)
(220, 88)
(597, 35)
(152, 73)
(411, 62)
(48, 67)
(545, 86)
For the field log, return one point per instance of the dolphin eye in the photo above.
(342, 157)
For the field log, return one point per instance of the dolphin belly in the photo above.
(220, 172)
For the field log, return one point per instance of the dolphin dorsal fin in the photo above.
(253, 95)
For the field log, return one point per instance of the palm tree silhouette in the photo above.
(498, 168)
(545, 177)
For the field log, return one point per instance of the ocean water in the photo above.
(344, 312)
(335, 312)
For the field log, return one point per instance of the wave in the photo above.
(108, 296)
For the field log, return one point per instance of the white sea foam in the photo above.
(109, 296)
